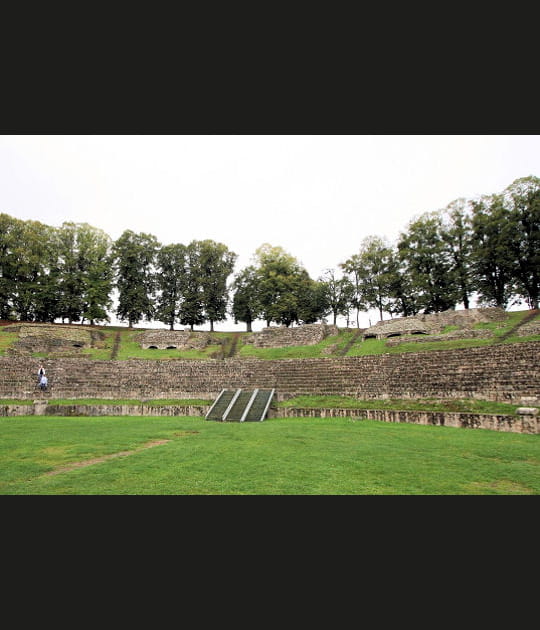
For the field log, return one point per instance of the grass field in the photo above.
(42, 455)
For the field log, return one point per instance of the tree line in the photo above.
(486, 248)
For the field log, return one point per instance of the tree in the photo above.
(48, 286)
(523, 199)
(405, 295)
(370, 269)
(170, 281)
(338, 293)
(8, 230)
(70, 302)
(246, 306)
(352, 266)
(192, 312)
(28, 271)
(95, 262)
(427, 261)
(311, 299)
(216, 264)
(456, 234)
(493, 258)
(84, 272)
(134, 256)
(280, 277)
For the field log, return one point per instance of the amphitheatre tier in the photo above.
(504, 372)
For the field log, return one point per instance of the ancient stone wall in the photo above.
(505, 372)
(464, 318)
(453, 335)
(53, 331)
(164, 339)
(281, 336)
(52, 339)
(435, 323)
(496, 422)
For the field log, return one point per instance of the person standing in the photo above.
(43, 382)
(41, 372)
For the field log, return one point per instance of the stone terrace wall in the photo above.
(506, 372)
(163, 339)
(513, 424)
(281, 336)
(436, 322)
(55, 331)
(455, 334)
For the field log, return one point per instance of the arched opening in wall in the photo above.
(171, 347)
(77, 345)
(395, 334)
(418, 332)
(370, 337)
(152, 347)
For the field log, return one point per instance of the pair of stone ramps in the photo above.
(241, 405)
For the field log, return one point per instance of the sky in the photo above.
(316, 196)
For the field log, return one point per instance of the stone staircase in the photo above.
(351, 342)
(529, 317)
(240, 405)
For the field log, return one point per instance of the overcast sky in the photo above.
(316, 196)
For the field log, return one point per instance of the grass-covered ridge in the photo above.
(121, 343)
(281, 456)
(392, 404)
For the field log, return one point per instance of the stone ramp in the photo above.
(241, 405)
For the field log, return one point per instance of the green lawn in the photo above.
(280, 456)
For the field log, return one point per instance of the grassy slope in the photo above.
(129, 348)
(420, 404)
(278, 456)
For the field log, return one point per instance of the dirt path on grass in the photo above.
(99, 460)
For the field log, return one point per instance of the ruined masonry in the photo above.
(505, 372)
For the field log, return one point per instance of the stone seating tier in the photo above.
(506, 372)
